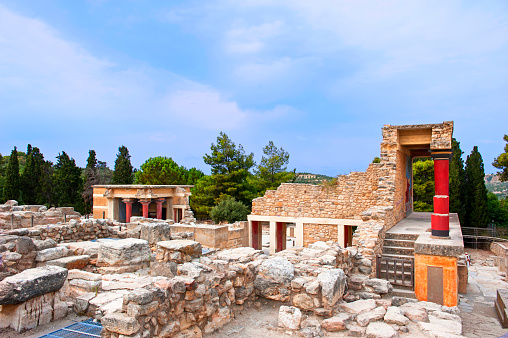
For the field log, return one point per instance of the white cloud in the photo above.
(251, 39)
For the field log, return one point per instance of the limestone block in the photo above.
(44, 244)
(379, 285)
(123, 252)
(414, 312)
(303, 301)
(380, 330)
(290, 317)
(218, 319)
(80, 274)
(364, 318)
(31, 283)
(336, 323)
(333, 284)
(394, 316)
(359, 306)
(120, 323)
(155, 232)
(52, 253)
(71, 262)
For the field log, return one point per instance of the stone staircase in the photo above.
(398, 246)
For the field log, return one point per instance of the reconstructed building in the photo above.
(359, 208)
(121, 202)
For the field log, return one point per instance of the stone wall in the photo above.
(319, 232)
(351, 195)
(14, 216)
(217, 236)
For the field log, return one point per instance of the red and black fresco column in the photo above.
(159, 203)
(440, 222)
(145, 203)
(128, 209)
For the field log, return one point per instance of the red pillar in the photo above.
(281, 236)
(159, 207)
(255, 235)
(128, 209)
(145, 204)
(440, 219)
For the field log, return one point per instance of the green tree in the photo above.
(501, 162)
(230, 168)
(497, 213)
(32, 177)
(193, 175)
(68, 182)
(123, 167)
(477, 214)
(230, 210)
(47, 185)
(423, 185)
(91, 179)
(272, 170)
(12, 186)
(161, 170)
(458, 184)
(105, 174)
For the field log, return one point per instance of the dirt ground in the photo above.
(43, 329)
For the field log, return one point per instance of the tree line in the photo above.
(224, 195)
(469, 198)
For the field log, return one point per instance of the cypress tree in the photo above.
(91, 178)
(69, 183)
(458, 183)
(32, 175)
(12, 187)
(123, 167)
(477, 214)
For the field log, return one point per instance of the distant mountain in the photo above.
(495, 186)
(311, 178)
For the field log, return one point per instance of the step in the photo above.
(399, 292)
(406, 243)
(398, 250)
(388, 255)
(393, 235)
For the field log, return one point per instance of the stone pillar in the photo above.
(273, 237)
(440, 219)
(145, 204)
(128, 208)
(341, 235)
(299, 234)
(159, 202)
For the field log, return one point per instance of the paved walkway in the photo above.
(479, 318)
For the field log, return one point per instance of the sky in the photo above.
(318, 78)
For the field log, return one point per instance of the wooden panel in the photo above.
(435, 284)
(416, 136)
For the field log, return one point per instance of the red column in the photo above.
(280, 235)
(145, 204)
(255, 234)
(440, 219)
(159, 207)
(128, 209)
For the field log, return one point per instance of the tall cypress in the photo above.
(477, 214)
(32, 175)
(12, 187)
(91, 178)
(458, 183)
(69, 183)
(123, 167)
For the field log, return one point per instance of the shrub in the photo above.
(230, 210)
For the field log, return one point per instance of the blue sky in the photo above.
(319, 78)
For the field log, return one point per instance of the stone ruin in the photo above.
(161, 285)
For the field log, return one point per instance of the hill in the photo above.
(495, 186)
(311, 178)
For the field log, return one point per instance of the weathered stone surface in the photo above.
(80, 274)
(24, 245)
(218, 319)
(364, 318)
(380, 330)
(336, 323)
(166, 269)
(398, 301)
(359, 306)
(238, 254)
(414, 312)
(187, 247)
(155, 232)
(85, 248)
(120, 323)
(123, 252)
(303, 301)
(333, 284)
(139, 296)
(45, 244)
(31, 283)
(70, 262)
(290, 317)
(355, 330)
(394, 316)
(379, 285)
(274, 278)
(52, 253)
